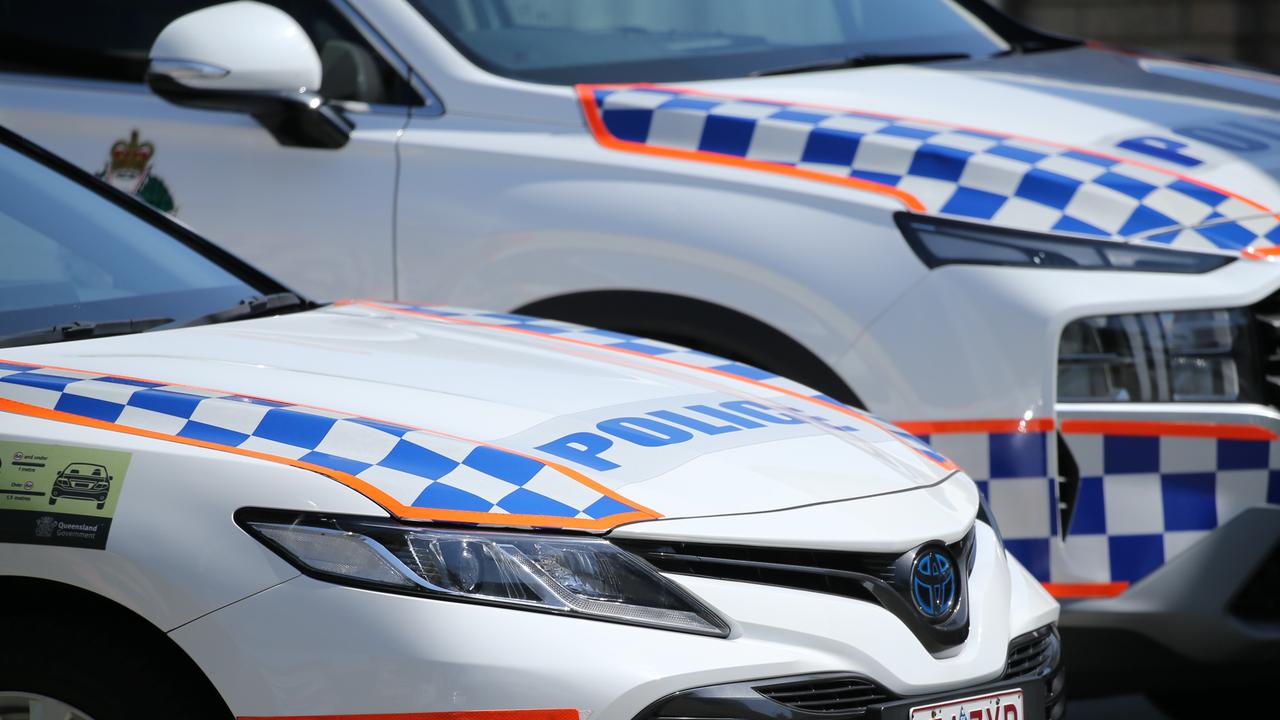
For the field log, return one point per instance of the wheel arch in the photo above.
(698, 324)
(40, 597)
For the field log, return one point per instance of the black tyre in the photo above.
(118, 674)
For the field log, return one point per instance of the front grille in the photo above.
(824, 571)
(1029, 654)
(1039, 654)
(845, 694)
(1259, 601)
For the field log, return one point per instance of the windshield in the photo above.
(617, 41)
(69, 254)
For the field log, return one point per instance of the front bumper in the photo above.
(309, 648)
(1034, 667)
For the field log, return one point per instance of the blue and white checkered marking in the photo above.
(953, 171)
(1145, 500)
(1142, 500)
(418, 469)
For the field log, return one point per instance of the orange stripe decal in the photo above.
(1149, 428)
(1073, 591)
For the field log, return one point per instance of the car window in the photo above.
(68, 254)
(105, 40)
(572, 41)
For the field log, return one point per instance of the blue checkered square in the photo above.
(1134, 557)
(1033, 553)
(1130, 454)
(507, 466)
(414, 459)
(212, 434)
(1090, 514)
(1243, 454)
(291, 427)
(166, 401)
(89, 407)
(1018, 455)
(1189, 501)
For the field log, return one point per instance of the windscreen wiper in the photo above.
(858, 61)
(81, 330)
(255, 306)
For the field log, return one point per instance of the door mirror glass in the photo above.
(248, 57)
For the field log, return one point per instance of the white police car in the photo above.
(1025, 249)
(378, 510)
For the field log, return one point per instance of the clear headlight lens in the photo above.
(950, 242)
(1193, 356)
(571, 575)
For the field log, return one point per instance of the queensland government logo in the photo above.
(128, 168)
(934, 586)
(45, 526)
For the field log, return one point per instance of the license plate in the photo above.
(1005, 705)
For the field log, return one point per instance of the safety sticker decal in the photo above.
(59, 494)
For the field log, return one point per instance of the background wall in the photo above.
(1246, 31)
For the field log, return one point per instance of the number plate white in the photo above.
(1006, 705)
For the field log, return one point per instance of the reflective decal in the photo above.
(59, 494)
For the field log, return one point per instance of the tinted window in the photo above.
(105, 40)
(570, 41)
(68, 254)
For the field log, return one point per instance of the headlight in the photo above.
(949, 242)
(1193, 356)
(570, 575)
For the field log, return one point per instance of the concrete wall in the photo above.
(1246, 31)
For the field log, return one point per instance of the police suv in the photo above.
(1051, 260)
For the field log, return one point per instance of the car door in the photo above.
(71, 79)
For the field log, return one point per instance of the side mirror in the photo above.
(252, 58)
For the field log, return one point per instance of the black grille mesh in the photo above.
(841, 694)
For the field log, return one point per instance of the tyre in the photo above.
(133, 676)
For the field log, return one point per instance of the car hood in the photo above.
(454, 415)
(1083, 140)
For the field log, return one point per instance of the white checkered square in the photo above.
(781, 141)
(1021, 506)
(994, 174)
(402, 486)
(854, 124)
(357, 442)
(1020, 213)
(553, 484)
(480, 484)
(636, 100)
(971, 451)
(966, 142)
(150, 420)
(679, 128)
(40, 397)
(1176, 543)
(271, 447)
(1134, 504)
(1238, 490)
(99, 390)
(889, 154)
(235, 415)
(931, 191)
(1181, 208)
(1081, 559)
(745, 110)
(1188, 455)
(1072, 168)
(1105, 208)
